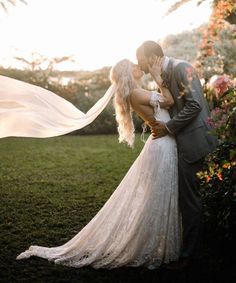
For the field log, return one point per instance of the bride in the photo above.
(139, 225)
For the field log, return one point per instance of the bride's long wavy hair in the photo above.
(121, 75)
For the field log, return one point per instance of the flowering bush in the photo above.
(218, 46)
(218, 177)
(218, 180)
(222, 97)
(221, 84)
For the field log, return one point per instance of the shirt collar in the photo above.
(165, 63)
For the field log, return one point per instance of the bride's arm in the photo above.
(168, 100)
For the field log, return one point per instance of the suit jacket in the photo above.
(189, 112)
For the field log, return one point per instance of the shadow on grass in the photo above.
(39, 270)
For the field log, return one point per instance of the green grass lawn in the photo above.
(49, 190)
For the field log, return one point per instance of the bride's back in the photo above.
(140, 103)
(143, 111)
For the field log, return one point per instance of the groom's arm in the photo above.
(191, 92)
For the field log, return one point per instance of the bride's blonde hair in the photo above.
(121, 75)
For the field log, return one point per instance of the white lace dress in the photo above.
(139, 224)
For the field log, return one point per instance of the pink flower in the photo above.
(220, 83)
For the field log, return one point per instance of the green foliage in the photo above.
(187, 46)
(40, 68)
(221, 58)
(218, 188)
(226, 48)
(184, 45)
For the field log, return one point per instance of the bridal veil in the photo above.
(27, 110)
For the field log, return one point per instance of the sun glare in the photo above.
(96, 33)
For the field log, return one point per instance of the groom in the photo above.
(188, 124)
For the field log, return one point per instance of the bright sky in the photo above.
(96, 32)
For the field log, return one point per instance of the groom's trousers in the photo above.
(190, 207)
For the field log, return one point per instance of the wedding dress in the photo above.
(139, 225)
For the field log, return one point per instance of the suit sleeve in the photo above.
(190, 90)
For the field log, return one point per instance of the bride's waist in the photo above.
(162, 115)
(164, 139)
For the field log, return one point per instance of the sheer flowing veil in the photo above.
(30, 111)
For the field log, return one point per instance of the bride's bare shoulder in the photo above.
(139, 92)
(140, 96)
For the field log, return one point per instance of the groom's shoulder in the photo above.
(180, 62)
(180, 66)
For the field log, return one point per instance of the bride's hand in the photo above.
(155, 70)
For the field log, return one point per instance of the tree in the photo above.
(40, 68)
(5, 3)
(219, 41)
(222, 9)
(218, 46)
(183, 46)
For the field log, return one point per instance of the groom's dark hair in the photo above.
(151, 47)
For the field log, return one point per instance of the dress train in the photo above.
(139, 225)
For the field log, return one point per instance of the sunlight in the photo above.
(96, 33)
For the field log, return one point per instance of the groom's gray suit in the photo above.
(188, 123)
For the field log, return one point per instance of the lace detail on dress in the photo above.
(154, 102)
(139, 225)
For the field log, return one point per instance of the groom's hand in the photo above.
(158, 130)
(155, 70)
